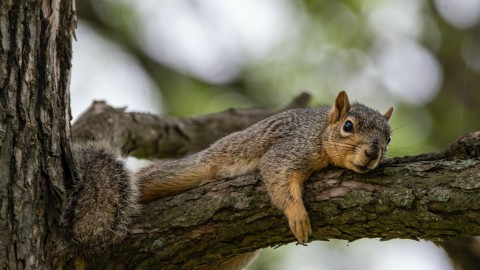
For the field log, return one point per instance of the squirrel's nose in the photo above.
(372, 152)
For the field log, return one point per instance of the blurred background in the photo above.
(188, 57)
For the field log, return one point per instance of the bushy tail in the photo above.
(172, 176)
(101, 202)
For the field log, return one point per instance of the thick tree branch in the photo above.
(434, 197)
(223, 219)
(151, 136)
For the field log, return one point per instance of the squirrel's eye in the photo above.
(348, 126)
(389, 140)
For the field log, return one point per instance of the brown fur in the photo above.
(286, 148)
(101, 202)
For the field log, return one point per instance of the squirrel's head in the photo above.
(356, 137)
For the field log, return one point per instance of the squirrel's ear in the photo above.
(339, 111)
(388, 113)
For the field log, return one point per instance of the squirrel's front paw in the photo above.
(298, 221)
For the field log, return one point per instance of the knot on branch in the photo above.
(300, 101)
(98, 123)
(468, 146)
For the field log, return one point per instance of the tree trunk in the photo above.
(35, 64)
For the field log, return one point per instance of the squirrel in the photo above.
(285, 148)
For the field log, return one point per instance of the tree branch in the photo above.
(151, 136)
(425, 196)
(431, 196)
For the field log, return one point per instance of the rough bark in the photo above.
(151, 136)
(431, 196)
(35, 55)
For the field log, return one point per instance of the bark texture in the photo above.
(431, 196)
(35, 55)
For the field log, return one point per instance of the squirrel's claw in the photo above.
(299, 222)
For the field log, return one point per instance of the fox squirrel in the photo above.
(286, 148)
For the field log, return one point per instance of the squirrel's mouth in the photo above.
(361, 168)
